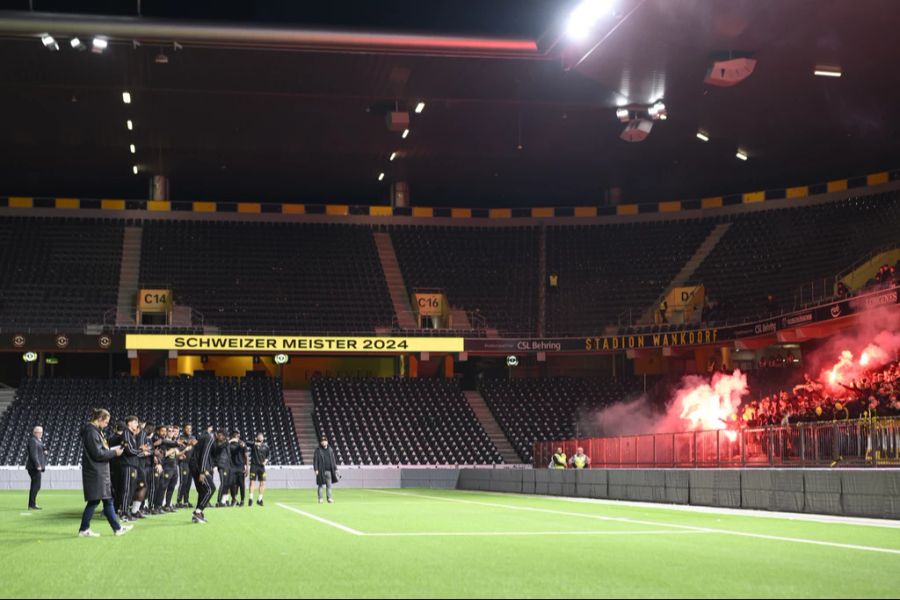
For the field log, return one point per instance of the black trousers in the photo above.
(224, 483)
(128, 488)
(238, 485)
(153, 488)
(165, 487)
(184, 485)
(205, 489)
(35, 487)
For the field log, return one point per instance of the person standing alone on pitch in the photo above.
(259, 458)
(325, 466)
(35, 464)
(95, 478)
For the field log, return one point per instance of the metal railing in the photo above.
(860, 443)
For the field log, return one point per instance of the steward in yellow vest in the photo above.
(559, 460)
(580, 460)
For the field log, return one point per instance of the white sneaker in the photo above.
(124, 529)
(330, 501)
(88, 533)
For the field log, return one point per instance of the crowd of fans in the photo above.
(886, 277)
(873, 395)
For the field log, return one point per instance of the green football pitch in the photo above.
(416, 542)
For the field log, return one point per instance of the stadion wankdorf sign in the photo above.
(251, 344)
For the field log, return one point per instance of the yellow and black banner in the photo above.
(681, 339)
(262, 344)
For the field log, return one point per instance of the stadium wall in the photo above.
(69, 478)
(843, 492)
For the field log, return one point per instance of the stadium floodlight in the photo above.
(49, 42)
(134, 169)
(658, 111)
(420, 107)
(129, 124)
(380, 176)
(623, 114)
(702, 136)
(98, 45)
(405, 134)
(512, 361)
(132, 148)
(77, 44)
(742, 155)
(30, 357)
(393, 156)
(585, 17)
(126, 97)
(827, 71)
(281, 359)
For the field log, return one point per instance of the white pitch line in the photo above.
(716, 510)
(522, 533)
(761, 536)
(321, 520)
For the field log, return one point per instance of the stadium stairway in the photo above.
(490, 426)
(129, 274)
(7, 395)
(394, 278)
(689, 268)
(300, 403)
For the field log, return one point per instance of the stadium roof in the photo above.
(256, 121)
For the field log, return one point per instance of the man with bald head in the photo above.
(35, 464)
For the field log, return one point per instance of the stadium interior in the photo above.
(511, 257)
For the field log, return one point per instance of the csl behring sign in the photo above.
(256, 343)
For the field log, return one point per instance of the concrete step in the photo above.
(394, 279)
(492, 428)
(690, 267)
(301, 405)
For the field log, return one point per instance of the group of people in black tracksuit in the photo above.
(234, 460)
(145, 476)
(154, 462)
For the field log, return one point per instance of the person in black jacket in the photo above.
(222, 458)
(325, 466)
(237, 449)
(132, 484)
(35, 464)
(201, 471)
(259, 458)
(95, 478)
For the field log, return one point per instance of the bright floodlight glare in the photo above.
(49, 42)
(134, 169)
(129, 124)
(741, 155)
(132, 148)
(380, 176)
(622, 113)
(420, 107)
(827, 72)
(393, 155)
(126, 97)
(405, 133)
(76, 44)
(585, 17)
(99, 45)
(702, 136)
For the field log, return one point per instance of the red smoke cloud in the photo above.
(702, 403)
